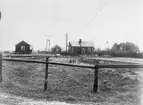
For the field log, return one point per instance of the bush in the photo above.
(126, 54)
(68, 54)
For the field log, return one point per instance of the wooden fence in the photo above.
(95, 67)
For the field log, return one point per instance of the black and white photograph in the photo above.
(71, 52)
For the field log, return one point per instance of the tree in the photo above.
(125, 47)
(129, 46)
(115, 47)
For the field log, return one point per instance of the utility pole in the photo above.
(46, 44)
(0, 15)
(66, 41)
(107, 47)
(48, 40)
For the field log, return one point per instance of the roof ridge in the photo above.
(21, 42)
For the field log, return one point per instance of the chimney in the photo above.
(80, 41)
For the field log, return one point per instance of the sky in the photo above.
(99, 21)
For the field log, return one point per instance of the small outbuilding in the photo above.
(56, 49)
(23, 48)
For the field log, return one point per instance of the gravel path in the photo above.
(127, 60)
(7, 99)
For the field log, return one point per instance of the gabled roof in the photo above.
(22, 42)
(83, 44)
(56, 46)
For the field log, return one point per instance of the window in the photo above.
(22, 48)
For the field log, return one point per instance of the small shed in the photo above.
(56, 49)
(23, 48)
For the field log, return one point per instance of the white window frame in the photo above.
(22, 48)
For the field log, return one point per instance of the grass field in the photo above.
(70, 84)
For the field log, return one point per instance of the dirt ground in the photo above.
(125, 94)
(140, 78)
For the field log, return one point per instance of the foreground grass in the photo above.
(117, 86)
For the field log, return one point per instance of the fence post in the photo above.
(0, 67)
(46, 74)
(95, 85)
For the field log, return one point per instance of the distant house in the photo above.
(56, 49)
(81, 47)
(23, 48)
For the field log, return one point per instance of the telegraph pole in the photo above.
(48, 40)
(46, 44)
(66, 41)
(0, 15)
